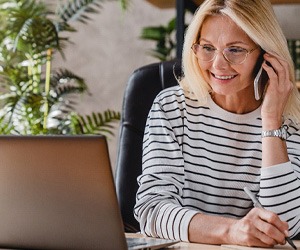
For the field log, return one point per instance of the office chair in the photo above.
(143, 86)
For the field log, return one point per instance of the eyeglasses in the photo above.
(234, 55)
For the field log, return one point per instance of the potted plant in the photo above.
(35, 98)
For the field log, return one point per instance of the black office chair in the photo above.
(143, 86)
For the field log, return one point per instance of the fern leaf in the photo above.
(37, 35)
(75, 9)
(98, 123)
(64, 82)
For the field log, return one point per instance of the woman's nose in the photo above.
(220, 61)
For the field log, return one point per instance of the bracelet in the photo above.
(281, 133)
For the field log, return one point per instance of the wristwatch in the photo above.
(281, 133)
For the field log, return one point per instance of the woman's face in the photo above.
(225, 78)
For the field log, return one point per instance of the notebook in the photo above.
(57, 192)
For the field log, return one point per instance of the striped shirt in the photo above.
(198, 159)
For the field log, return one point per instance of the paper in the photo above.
(236, 247)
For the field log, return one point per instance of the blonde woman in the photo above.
(210, 137)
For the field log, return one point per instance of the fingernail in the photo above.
(286, 232)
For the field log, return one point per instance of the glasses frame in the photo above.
(217, 50)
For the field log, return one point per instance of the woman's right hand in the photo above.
(259, 228)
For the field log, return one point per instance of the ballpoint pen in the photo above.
(256, 203)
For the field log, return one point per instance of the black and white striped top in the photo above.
(198, 159)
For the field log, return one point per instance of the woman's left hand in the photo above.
(279, 88)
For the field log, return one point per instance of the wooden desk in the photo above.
(194, 246)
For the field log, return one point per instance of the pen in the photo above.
(256, 203)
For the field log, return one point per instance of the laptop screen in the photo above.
(57, 192)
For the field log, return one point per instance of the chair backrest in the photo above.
(143, 86)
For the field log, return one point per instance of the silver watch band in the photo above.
(281, 133)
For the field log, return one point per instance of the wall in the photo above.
(108, 49)
(288, 16)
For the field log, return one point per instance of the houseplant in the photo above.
(164, 37)
(35, 98)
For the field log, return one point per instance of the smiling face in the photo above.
(234, 81)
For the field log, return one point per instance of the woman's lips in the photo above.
(223, 77)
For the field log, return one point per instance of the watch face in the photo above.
(283, 132)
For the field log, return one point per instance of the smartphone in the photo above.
(260, 82)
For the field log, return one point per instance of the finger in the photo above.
(264, 240)
(281, 67)
(251, 235)
(277, 222)
(276, 68)
(272, 226)
(270, 71)
(269, 234)
(279, 76)
(260, 241)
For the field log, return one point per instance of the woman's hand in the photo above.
(260, 228)
(278, 90)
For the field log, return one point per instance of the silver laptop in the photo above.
(57, 192)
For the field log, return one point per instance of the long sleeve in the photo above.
(159, 204)
(280, 186)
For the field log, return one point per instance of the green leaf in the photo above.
(74, 10)
(98, 123)
(164, 38)
(154, 33)
(29, 103)
(36, 36)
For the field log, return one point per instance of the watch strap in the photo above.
(281, 133)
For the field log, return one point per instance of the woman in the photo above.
(208, 138)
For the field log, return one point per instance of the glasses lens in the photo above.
(235, 55)
(204, 52)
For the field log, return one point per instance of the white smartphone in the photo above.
(257, 84)
(260, 83)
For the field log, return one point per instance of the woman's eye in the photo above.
(236, 50)
(208, 48)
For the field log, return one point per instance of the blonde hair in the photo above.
(257, 19)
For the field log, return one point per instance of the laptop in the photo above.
(57, 192)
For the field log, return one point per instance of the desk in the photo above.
(194, 246)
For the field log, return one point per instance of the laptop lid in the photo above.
(57, 192)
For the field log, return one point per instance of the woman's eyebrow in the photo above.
(228, 44)
(203, 39)
(237, 42)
